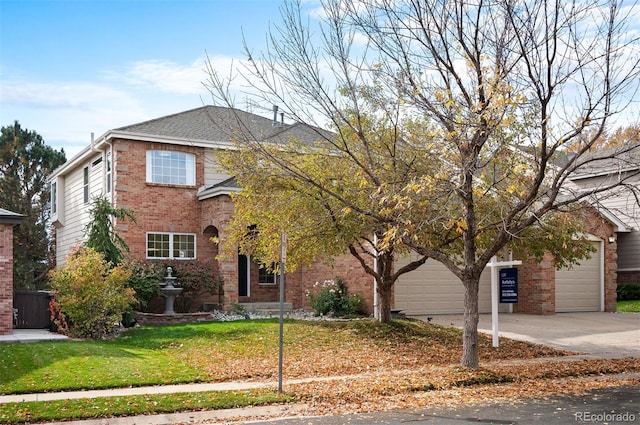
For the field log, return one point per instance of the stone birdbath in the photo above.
(169, 291)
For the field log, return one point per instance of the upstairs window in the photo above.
(108, 173)
(171, 167)
(85, 185)
(54, 198)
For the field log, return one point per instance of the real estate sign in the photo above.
(509, 285)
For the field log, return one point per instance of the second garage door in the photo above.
(579, 288)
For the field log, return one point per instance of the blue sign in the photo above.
(509, 285)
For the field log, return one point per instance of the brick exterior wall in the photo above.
(217, 213)
(629, 277)
(171, 208)
(6, 279)
(158, 207)
(536, 287)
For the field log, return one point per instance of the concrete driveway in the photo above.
(601, 334)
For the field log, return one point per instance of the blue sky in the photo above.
(72, 67)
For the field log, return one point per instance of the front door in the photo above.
(243, 275)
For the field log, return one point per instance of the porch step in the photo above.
(270, 308)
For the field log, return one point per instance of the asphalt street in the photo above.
(619, 405)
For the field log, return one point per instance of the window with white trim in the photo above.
(267, 275)
(171, 167)
(108, 173)
(54, 198)
(85, 185)
(171, 245)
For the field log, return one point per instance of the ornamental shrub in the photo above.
(196, 279)
(144, 280)
(90, 296)
(333, 298)
(628, 291)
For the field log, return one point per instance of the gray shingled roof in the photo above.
(612, 160)
(231, 182)
(219, 124)
(10, 217)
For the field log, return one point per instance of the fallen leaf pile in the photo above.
(346, 348)
(450, 385)
(412, 364)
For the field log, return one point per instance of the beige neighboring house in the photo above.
(607, 167)
(8, 221)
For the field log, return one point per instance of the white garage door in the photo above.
(433, 289)
(578, 288)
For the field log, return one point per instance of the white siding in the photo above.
(76, 213)
(624, 206)
(629, 251)
(619, 201)
(213, 174)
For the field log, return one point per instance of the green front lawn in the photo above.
(630, 306)
(396, 360)
(225, 351)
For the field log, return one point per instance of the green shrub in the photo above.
(628, 291)
(333, 298)
(145, 278)
(90, 296)
(196, 279)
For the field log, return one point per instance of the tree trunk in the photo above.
(470, 326)
(384, 302)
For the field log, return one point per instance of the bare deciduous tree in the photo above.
(498, 90)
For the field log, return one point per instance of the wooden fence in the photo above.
(32, 309)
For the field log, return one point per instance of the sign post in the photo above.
(495, 264)
(283, 260)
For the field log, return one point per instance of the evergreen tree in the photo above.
(101, 233)
(25, 163)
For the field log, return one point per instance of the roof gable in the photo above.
(206, 126)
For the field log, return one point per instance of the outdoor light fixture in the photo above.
(612, 238)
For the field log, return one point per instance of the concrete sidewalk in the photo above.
(32, 335)
(609, 335)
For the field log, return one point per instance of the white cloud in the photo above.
(166, 76)
(59, 94)
(65, 113)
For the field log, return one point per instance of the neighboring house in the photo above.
(165, 170)
(8, 221)
(607, 167)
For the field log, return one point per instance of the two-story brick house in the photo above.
(165, 170)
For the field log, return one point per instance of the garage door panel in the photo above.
(433, 289)
(579, 288)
